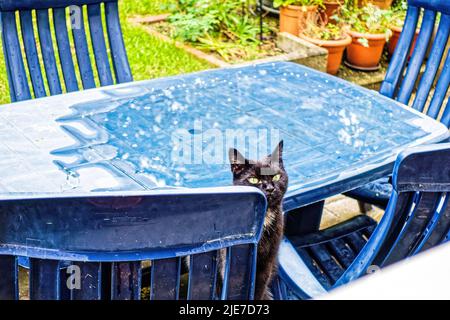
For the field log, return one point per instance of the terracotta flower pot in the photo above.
(331, 6)
(365, 57)
(396, 32)
(335, 50)
(383, 4)
(293, 18)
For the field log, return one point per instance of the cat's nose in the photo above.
(269, 189)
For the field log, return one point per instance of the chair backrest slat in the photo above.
(48, 53)
(126, 280)
(433, 63)
(64, 280)
(225, 263)
(64, 49)
(82, 52)
(73, 70)
(9, 289)
(90, 286)
(202, 276)
(422, 43)
(404, 206)
(11, 49)
(446, 115)
(439, 227)
(441, 90)
(44, 279)
(405, 75)
(99, 45)
(241, 273)
(29, 42)
(165, 279)
(119, 57)
(12, 91)
(398, 61)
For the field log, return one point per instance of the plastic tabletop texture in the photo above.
(175, 133)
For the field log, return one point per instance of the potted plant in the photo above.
(295, 13)
(397, 21)
(369, 28)
(331, 37)
(331, 7)
(383, 4)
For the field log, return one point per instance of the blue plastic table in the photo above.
(337, 136)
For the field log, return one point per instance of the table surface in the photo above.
(175, 132)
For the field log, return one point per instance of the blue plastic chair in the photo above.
(85, 231)
(416, 218)
(403, 75)
(60, 74)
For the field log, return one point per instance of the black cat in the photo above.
(271, 178)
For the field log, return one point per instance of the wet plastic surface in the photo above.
(337, 136)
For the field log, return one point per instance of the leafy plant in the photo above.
(190, 27)
(226, 27)
(242, 29)
(398, 18)
(228, 50)
(195, 19)
(400, 5)
(284, 3)
(317, 27)
(398, 13)
(326, 32)
(368, 19)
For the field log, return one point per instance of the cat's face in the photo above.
(267, 174)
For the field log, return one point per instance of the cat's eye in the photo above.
(253, 180)
(276, 177)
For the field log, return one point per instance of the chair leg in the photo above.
(364, 207)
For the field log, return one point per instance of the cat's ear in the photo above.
(277, 154)
(237, 161)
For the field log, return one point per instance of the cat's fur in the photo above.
(264, 170)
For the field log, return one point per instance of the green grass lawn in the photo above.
(149, 57)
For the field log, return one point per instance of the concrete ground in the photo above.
(340, 208)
